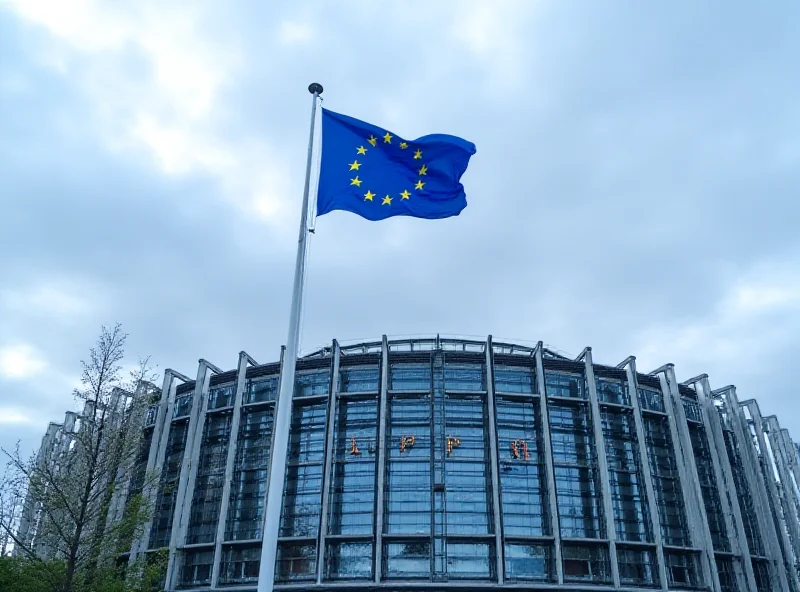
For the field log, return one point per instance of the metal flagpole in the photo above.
(283, 414)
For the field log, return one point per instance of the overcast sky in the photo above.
(635, 187)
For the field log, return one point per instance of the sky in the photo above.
(635, 186)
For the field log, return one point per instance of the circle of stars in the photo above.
(387, 199)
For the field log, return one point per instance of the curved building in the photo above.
(447, 463)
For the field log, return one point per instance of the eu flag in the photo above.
(376, 174)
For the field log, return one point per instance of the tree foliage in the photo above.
(72, 525)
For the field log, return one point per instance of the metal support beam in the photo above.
(552, 498)
(726, 486)
(186, 480)
(327, 469)
(768, 477)
(602, 463)
(493, 455)
(785, 487)
(690, 482)
(233, 443)
(383, 412)
(633, 390)
(758, 492)
(155, 456)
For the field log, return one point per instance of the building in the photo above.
(448, 463)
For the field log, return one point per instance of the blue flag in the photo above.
(371, 172)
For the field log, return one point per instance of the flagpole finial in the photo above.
(315, 88)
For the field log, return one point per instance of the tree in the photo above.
(71, 486)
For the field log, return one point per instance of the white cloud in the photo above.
(65, 301)
(20, 361)
(15, 416)
(175, 112)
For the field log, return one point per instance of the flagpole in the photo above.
(283, 413)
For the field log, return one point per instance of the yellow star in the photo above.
(387, 201)
(372, 140)
(419, 184)
(403, 145)
(368, 195)
(361, 150)
(405, 194)
(387, 138)
(356, 181)
(418, 155)
(423, 170)
(354, 165)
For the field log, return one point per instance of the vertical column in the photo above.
(327, 468)
(602, 462)
(155, 456)
(191, 454)
(498, 535)
(785, 485)
(241, 381)
(725, 483)
(690, 482)
(791, 457)
(633, 390)
(769, 479)
(383, 411)
(758, 491)
(548, 456)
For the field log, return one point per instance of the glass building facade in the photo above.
(428, 463)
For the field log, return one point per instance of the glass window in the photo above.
(469, 560)
(239, 565)
(464, 377)
(152, 415)
(408, 560)
(196, 569)
(666, 482)
(167, 492)
(637, 567)
(612, 391)
(221, 396)
(710, 488)
(352, 504)
(182, 406)
(303, 493)
(761, 573)
(410, 377)
(692, 410)
(264, 388)
(523, 489)
(296, 562)
(586, 563)
(652, 399)
(727, 573)
(559, 384)
(509, 379)
(348, 561)
(209, 480)
(683, 570)
(309, 384)
(529, 562)
(359, 379)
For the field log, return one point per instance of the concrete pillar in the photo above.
(383, 411)
(785, 487)
(327, 468)
(493, 455)
(755, 483)
(725, 483)
(241, 381)
(602, 463)
(781, 526)
(690, 482)
(155, 457)
(633, 390)
(550, 476)
(191, 455)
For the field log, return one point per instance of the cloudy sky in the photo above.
(635, 187)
